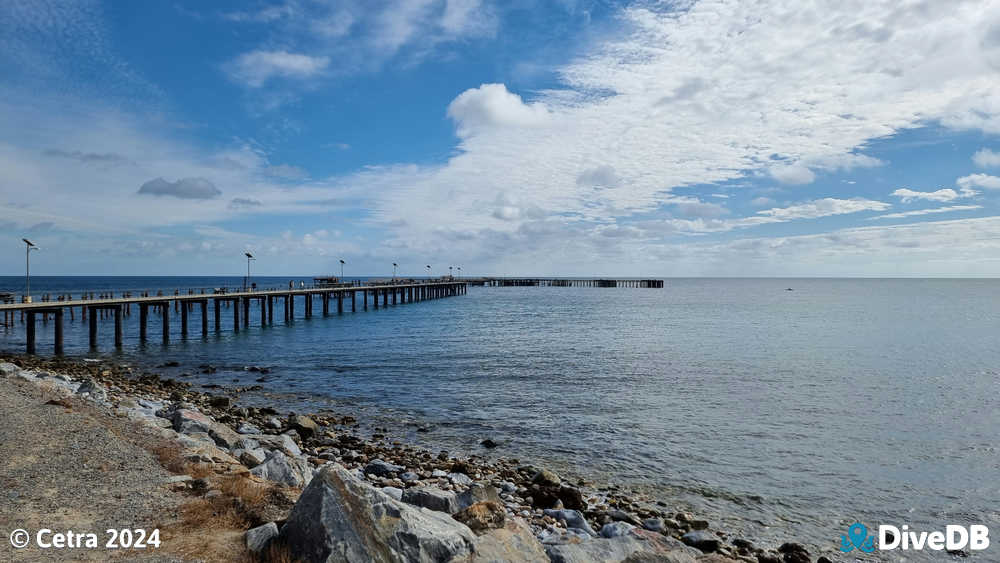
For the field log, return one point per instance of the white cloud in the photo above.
(979, 181)
(257, 67)
(986, 158)
(823, 208)
(761, 201)
(792, 174)
(491, 105)
(908, 195)
(918, 212)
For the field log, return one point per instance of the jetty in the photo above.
(107, 305)
(564, 282)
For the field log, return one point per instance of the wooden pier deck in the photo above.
(93, 309)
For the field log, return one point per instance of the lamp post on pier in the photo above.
(449, 273)
(428, 271)
(341, 270)
(29, 246)
(246, 284)
(394, 266)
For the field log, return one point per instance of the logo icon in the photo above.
(858, 539)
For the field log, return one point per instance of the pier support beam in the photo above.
(326, 304)
(143, 316)
(92, 320)
(58, 337)
(364, 297)
(30, 331)
(184, 320)
(270, 309)
(166, 322)
(375, 293)
(118, 327)
(354, 308)
(246, 311)
(236, 316)
(204, 318)
(340, 302)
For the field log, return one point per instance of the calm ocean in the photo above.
(783, 414)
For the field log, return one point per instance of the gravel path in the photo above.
(75, 469)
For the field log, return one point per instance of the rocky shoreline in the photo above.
(330, 489)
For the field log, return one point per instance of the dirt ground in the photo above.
(72, 467)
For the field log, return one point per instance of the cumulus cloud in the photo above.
(918, 212)
(185, 188)
(600, 176)
(908, 195)
(492, 105)
(986, 158)
(792, 174)
(979, 181)
(823, 208)
(255, 68)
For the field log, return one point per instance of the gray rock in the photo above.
(247, 428)
(282, 469)
(654, 524)
(93, 390)
(700, 539)
(258, 538)
(393, 492)
(187, 421)
(409, 477)
(340, 518)
(281, 442)
(616, 529)
(251, 458)
(8, 369)
(248, 444)
(460, 479)
(630, 547)
(546, 478)
(224, 435)
(273, 422)
(382, 468)
(439, 473)
(508, 487)
(431, 498)
(305, 426)
(513, 542)
(477, 493)
(573, 519)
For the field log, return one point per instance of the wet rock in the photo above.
(339, 517)
(381, 468)
(431, 498)
(572, 519)
(305, 426)
(460, 479)
(546, 478)
(220, 402)
(616, 529)
(257, 539)
(409, 477)
(488, 443)
(823, 559)
(700, 539)
(698, 524)
(482, 516)
(284, 470)
(794, 553)
(273, 422)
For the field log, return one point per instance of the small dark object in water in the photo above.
(170, 364)
(789, 289)
(488, 443)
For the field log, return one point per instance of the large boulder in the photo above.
(7, 369)
(340, 518)
(257, 539)
(281, 442)
(224, 436)
(380, 468)
(637, 545)
(513, 542)
(285, 470)
(482, 516)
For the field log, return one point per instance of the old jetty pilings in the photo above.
(107, 305)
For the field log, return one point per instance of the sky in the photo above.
(560, 138)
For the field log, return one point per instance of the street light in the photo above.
(394, 266)
(341, 270)
(449, 273)
(250, 257)
(459, 272)
(428, 270)
(27, 268)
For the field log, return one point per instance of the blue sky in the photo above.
(680, 138)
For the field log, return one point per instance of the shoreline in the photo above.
(310, 441)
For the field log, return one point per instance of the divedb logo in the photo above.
(954, 538)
